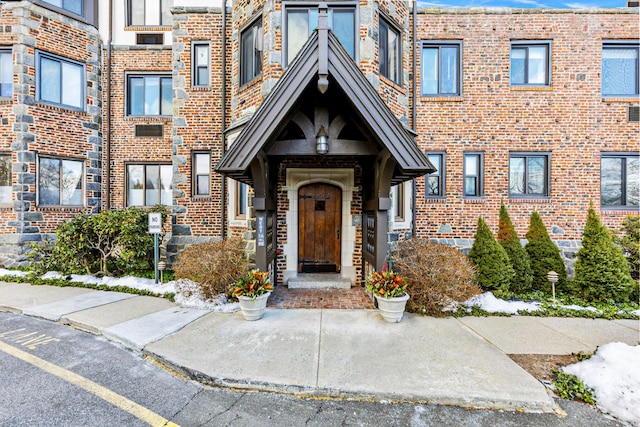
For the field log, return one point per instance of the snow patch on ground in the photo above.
(488, 302)
(14, 273)
(614, 373)
(188, 295)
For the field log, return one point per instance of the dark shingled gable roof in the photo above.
(388, 131)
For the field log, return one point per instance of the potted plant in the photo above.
(252, 290)
(389, 288)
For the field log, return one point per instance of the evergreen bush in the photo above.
(629, 241)
(491, 260)
(509, 240)
(437, 276)
(602, 272)
(544, 256)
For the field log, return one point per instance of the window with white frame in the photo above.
(300, 21)
(251, 52)
(149, 184)
(201, 174)
(149, 95)
(149, 13)
(440, 68)
(473, 174)
(529, 174)
(6, 73)
(201, 64)
(435, 182)
(530, 63)
(620, 180)
(241, 200)
(60, 182)
(6, 187)
(60, 81)
(73, 6)
(390, 51)
(620, 65)
(398, 198)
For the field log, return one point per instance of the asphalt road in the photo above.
(52, 375)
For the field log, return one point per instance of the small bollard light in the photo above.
(553, 278)
(162, 266)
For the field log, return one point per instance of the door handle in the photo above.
(338, 233)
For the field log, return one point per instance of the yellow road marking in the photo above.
(104, 393)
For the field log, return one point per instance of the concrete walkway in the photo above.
(338, 353)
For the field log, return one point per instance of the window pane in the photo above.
(242, 199)
(516, 175)
(202, 163)
(470, 186)
(136, 96)
(383, 46)
(537, 65)
(611, 181)
(202, 76)
(71, 183)
(429, 71)
(393, 55)
(152, 96)
(435, 161)
(5, 179)
(74, 6)
(633, 181)
(152, 11)
(471, 165)
(49, 80)
(433, 186)
(449, 70)
(49, 181)
(620, 71)
(536, 175)
(152, 185)
(167, 101)
(246, 57)
(297, 32)
(6, 74)
(344, 28)
(518, 56)
(166, 175)
(434, 180)
(135, 192)
(167, 19)
(202, 185)
(72, 82)
(137, 12)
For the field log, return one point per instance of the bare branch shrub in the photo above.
(215, 265)
(438, 275)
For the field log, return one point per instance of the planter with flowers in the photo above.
(252, 290)
(389, 289)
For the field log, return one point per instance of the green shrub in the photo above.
(215, 265)
(491, 260)
(571, 387)
(104, 243)
(509, 240)
(544, 256)
(437, 275)
(629, 241)
(602, 272)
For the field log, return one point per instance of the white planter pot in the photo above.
(392, 309)
(253, 308)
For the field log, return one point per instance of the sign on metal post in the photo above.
(155, 228)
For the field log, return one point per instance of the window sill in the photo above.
(201, 88)
(6, 100)
(145, 119)
(531, 88)
(48, 208)
(540, 199)
(390, 82)
(474, 201)
(622, 210)
(147, 28)
(435, 98)
(202, 199)
(631, 98)
(435, 200)
(251, 83)
(61, 108)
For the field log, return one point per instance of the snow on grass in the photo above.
(14, 273)
(614, 373)
(488, 302)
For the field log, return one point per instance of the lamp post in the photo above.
(322, 144)
(553, 278)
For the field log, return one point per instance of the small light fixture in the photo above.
(322, 144)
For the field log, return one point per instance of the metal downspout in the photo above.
(107, 148)
(413, 110)
(224, 113)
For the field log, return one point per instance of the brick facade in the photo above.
(568, 119)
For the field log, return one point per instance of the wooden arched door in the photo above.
(319, 225)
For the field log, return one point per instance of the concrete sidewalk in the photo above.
(338, 353)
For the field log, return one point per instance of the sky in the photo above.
(547, 4)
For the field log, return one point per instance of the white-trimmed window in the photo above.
(152, 13)
(60, 181)
(390, 50)
(401, 205)
(620, 180)
(201, 64)
(238, 207)
(529, 174)
(73, 6)
(149, 184)
(5, 179)
(6, 73)
(251, 52)
(300, 21)
(530, 63)
(201, 173)
(473, 174)
(435, 182)
(440, 68)
(149, 95)
(60, 81)
(620, 68)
